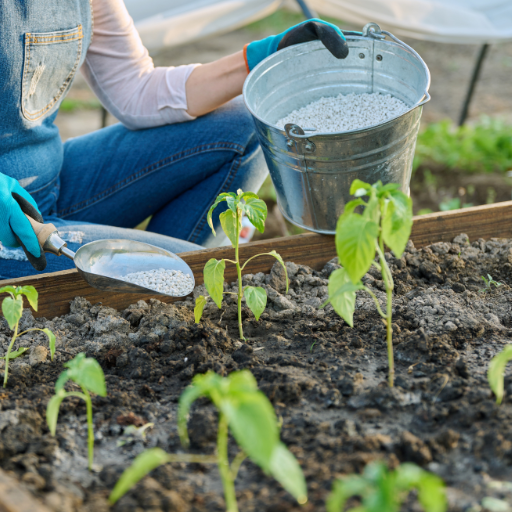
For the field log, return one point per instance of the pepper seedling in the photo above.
(231, 221)
(87, 373)
(12, 309)
(244, 411)
(496, 372)
(489, 283)
(386, 219)
(382, 489)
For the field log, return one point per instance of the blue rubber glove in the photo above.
(311, 30)
(15, 229)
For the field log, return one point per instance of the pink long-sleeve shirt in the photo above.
(120, 71)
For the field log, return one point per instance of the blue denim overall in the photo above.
(102, 184)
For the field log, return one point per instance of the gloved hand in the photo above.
(15, 229)
(311, 30)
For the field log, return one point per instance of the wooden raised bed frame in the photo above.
(57, 289)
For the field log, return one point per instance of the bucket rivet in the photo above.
(289, 143)
(309, 147)
(379, 57)
(361, 55)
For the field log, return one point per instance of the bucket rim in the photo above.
(351, 36)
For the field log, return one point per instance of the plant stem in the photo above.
(377, 305)
(239, 272)
(15, 335)
(388, 282)
(223, 463)
(90, 427)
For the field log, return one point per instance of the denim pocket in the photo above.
(51, 61)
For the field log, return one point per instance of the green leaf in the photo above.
(52, 410)
(61, 381)
(15, 353)
(372, 211)
(353, 485)
(431, 493)
(355, 244)
(228, 223)
(241, 382)
(202, 385)
(383, 190)
(256, 299)
(496, 372)
(86, 372)
(12, 310)
(253, 423)
(142, 465)
(199, 308)
(51, 341)
(286, 470)
(397, 222)
(214, 279)
(342, 295)
(256, 211)
(31, 293)
(8, 289)
(220, 198)
(277, 256)
(359, 188)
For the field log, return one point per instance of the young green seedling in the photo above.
(496, 372)
(386, 219)
(382, 489)
(231, 221)
(12, 309)
(87, 373)
(489, 283)
(248, 415)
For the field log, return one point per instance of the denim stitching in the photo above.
(200, 225)
(219, 146)
(32, 116)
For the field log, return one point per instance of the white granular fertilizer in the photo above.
(170, 282)
(346, 112)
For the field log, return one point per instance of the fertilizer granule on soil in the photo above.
(346, 112)
(170, 282)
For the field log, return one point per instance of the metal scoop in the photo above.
(104, 263)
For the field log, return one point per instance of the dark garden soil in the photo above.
(326, 381)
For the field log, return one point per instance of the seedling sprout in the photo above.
(249, 416)
(382, 489)
(489, 283)
(496, 372)
(12, 309)
(231, 221)
(386, 219)
(87, 373)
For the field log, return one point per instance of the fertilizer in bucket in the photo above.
(346, 112)
(323, 122)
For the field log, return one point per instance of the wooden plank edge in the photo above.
(57, 289)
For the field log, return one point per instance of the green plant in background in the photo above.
(249, 416)
(482, 147)
(453, 204)
(12, 309)
(496, 372)
(386, 219)
(255, 209)
(87, 373)
(489, 283)
(384, 490)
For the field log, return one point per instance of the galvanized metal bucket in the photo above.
(312, 172)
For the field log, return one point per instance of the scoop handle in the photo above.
(49, 238)
(42, 231)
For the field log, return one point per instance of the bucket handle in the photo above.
(373, 30)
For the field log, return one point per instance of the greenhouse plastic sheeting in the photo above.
(163, 23)
(447, 21)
